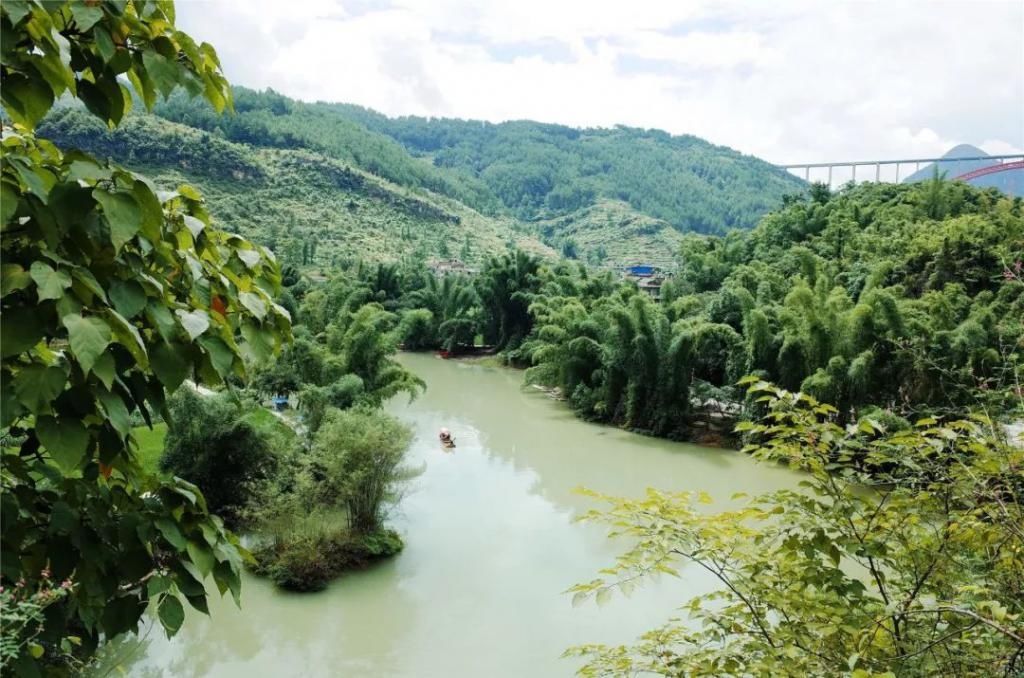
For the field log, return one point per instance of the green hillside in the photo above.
(542, 170)
(610, 233)
(529, 170)
(309, 208)
(351, 182)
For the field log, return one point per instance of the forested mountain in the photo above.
(577, 184)
(312, 210)
(546, 170)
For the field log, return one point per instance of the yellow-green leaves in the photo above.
(897, 572)
(26, 99)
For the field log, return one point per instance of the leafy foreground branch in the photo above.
(903, 554)
(113, 293)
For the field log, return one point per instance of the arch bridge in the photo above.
(955, 166)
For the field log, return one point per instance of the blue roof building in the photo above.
(641, 270)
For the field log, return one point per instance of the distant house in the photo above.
(651, 286)
(648, 277)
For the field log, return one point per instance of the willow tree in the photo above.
(113, 293)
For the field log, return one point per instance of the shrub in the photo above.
(211, 445)
(304, 549)
(358, 456)
(322, 512)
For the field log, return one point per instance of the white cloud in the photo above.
(790, 81)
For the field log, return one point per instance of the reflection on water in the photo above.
(490, 547)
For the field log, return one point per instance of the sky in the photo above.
(783, 80)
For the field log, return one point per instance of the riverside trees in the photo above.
(860, 298)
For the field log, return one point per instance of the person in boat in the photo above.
(446, 438)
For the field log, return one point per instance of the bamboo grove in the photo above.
(894, 300)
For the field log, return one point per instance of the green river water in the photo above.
(491, 546)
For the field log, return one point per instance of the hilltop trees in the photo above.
(113, 293)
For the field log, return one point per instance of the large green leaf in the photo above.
(202, 556)
(158, 315)
(172, 614)
(85, 15)
(258, 342)
(169, 529)
(105, 369)
(20, 329)
(221, 355)
(164, 72)
(66, 439)
(254, 303)
(170, 363)
(38, 385)
(50, 283)
(8, 204)
(117, 412)
(195, 322)
(27, 100)
(128, 296)
(89, 337)
(128, 336)
(123, 215)
(13, 278)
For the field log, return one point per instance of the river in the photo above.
(491, 545)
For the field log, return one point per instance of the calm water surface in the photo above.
(490, 547)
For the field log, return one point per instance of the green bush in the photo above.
(211, 444)
(357, 458)
(309, 563)
(322, 513)
(416, 330)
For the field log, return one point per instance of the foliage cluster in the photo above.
(312, 210)
(418, 308)
(617, 193)
(897, 297)
(539, 170)
(113, 292)
(324, 511)
(913, 569)
(211, 444)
